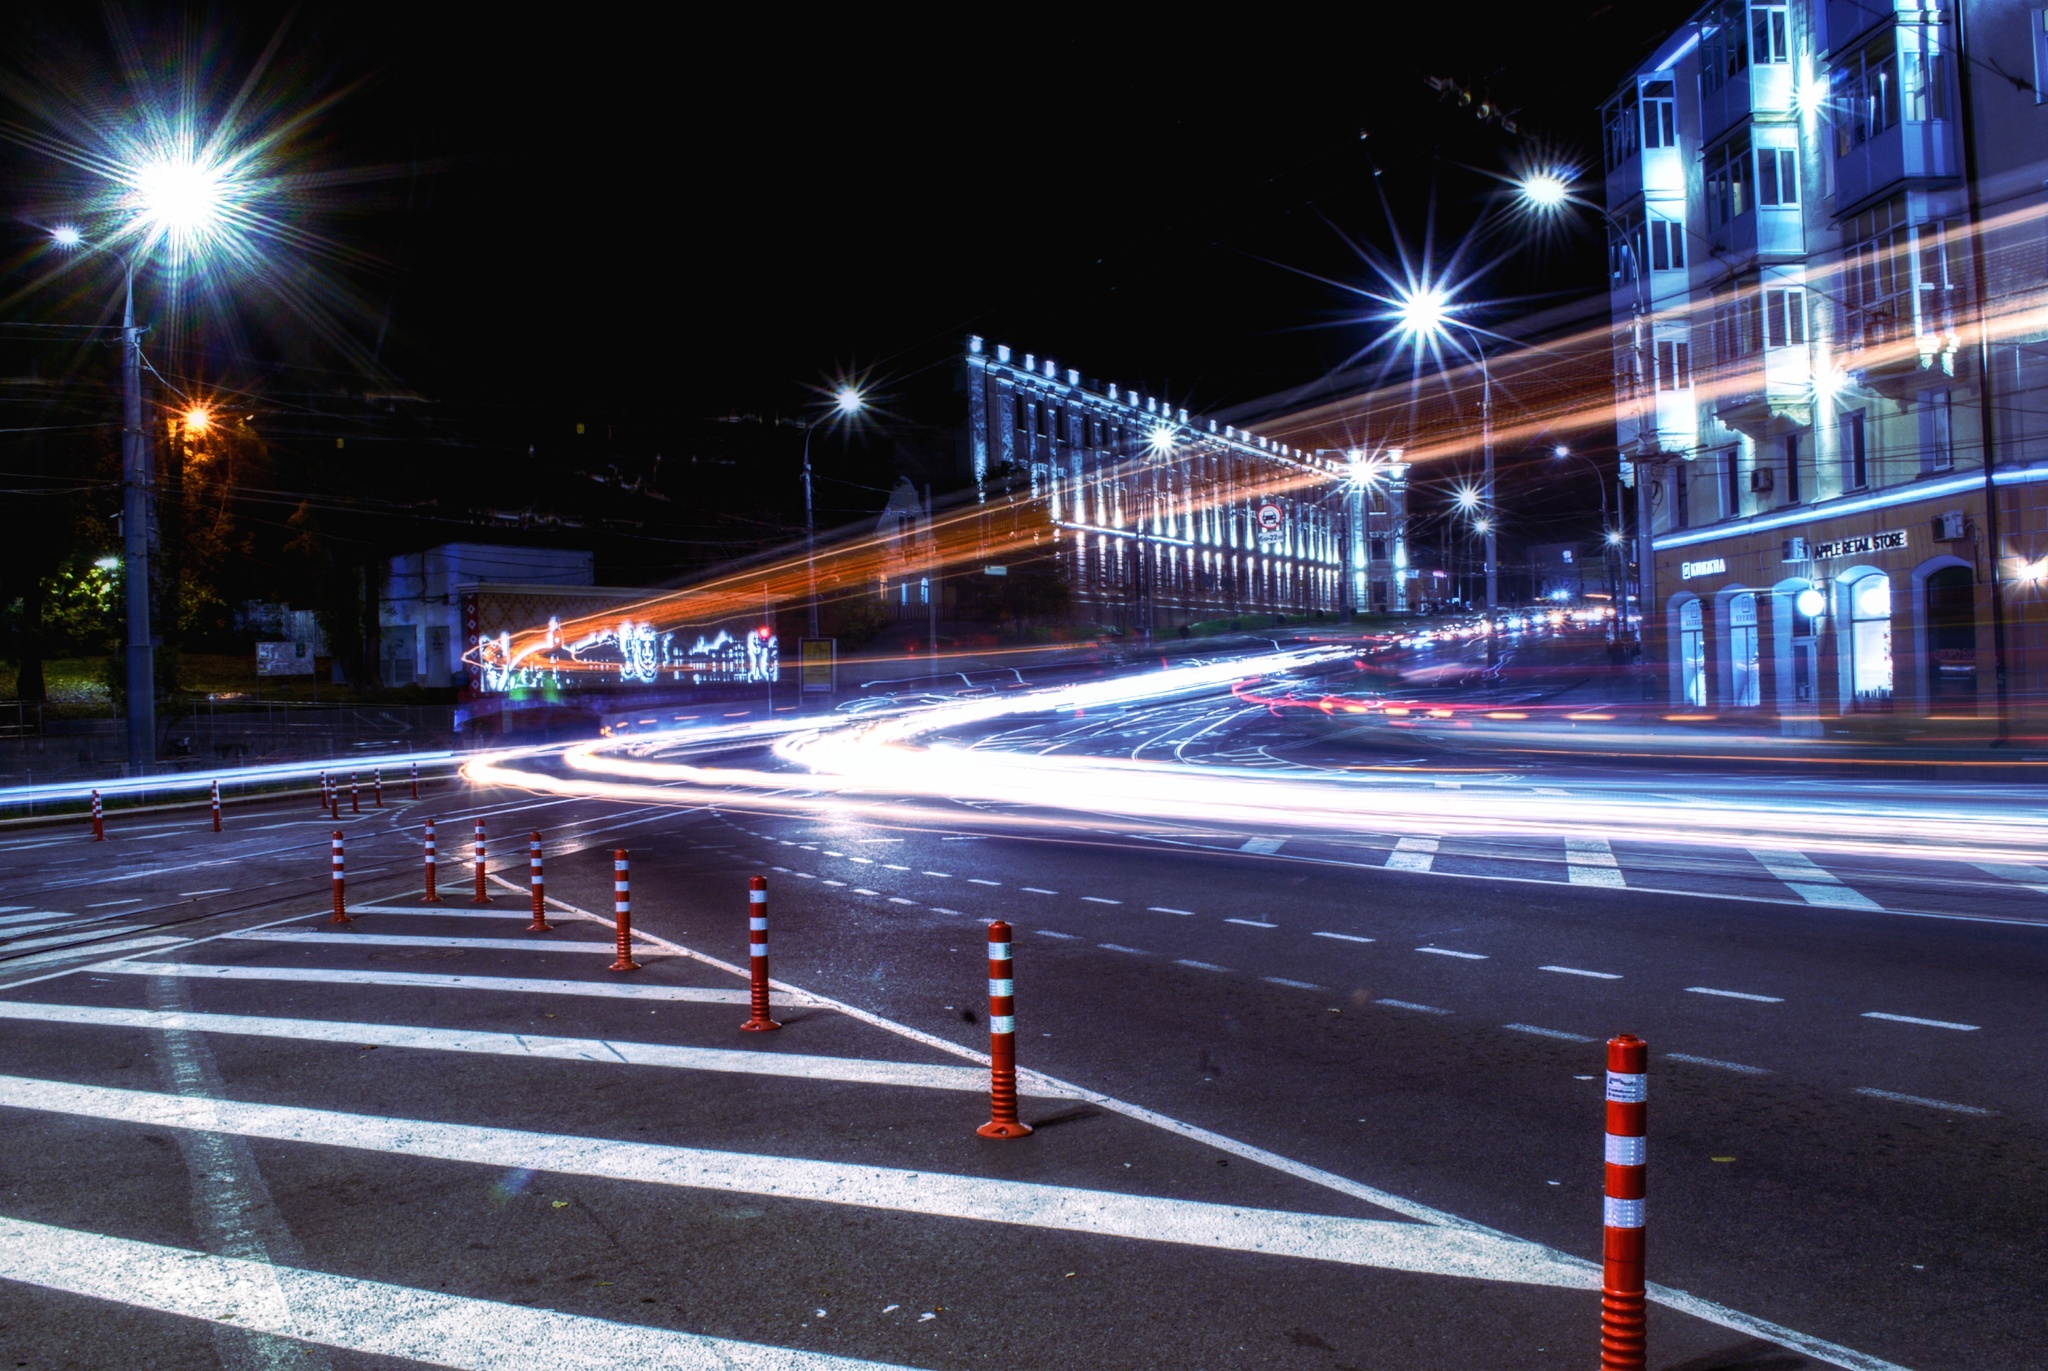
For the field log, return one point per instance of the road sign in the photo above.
(1270, 517)
(817, 658)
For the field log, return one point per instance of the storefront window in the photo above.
(1742, 652)
(1952, 636)
(1870, 641)
(1692, 653)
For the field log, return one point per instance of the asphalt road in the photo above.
(1316, 1099)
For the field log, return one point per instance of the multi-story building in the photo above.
(1159, 518)
(1827, 263)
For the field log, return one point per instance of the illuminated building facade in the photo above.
(1830, 391)
(1160, 518)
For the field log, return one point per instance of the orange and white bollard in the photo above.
(377, 788)
(99, 827)
(340, 909)
(1002, 1039)
(216, 806)
(622, 912)
(540, 890)
(757, 956)
(1621, 1275)
(324, 784)
(479, 897)
(355, 795)
(432, 862)
(334, 800)
(415, 780)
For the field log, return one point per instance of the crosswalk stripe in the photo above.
(31, 918)
(427, 980)
(859, 1070)
(86, 950)
(1590, 861)
(2034, 877)
(371, 1317)
(1810, 881)
(534, 944)
(1412, 854)
(28, 944)
(1380, 1243)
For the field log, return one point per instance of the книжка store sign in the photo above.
(1888, 541)
(1712, 566)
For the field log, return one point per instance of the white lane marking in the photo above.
(1166, 909)
(611, 990)
(1734, 994)
(1342, 937)
(77, 923)
(1100, 899)
(40, 914)
(1717, 1063)
(1924, 1023)
(1380, 1243)
(1410, 1004)
(803, 875)
(898, 899)
(211, 890)
(1575, 971)
(1559, 1034)
(863, 890)
(1200, 966)
(2016, 871)
(1298, 985)
(723, 1059)
(864, 861)
(1590, 861)
(1948, 1105)
(85, 952)
(1412, 854)
(1810, 881)
(941, 909)
(841, 884)
(1119, 947)
(1446, 952)
(1034, 890)
(1262, 845)
(893, 866)
(109, 904)
(1252, 923)
(509, 911)
(534, 944)
(26, 944)
(830, 853)
(942, 875)
(977, 880)
(1048, 933)
(370, 1317)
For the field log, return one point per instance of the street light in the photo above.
(1426, 312)
(847, 401)
(1611, 538)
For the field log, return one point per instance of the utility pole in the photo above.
(931, 574)
(135, 544)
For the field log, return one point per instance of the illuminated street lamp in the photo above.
(1426, 312)
(1611, 538)
(847, 401)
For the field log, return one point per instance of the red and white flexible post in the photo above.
(216, 806)
(757, 956)
(334, 800)
(1002, 1039)
(323, 790)
(355, 795)
(340, 910)
(479, 897)
(1621, 1275)
(377, 788)
(432, 862)
(540, 890)
(415, 780)
(99, 827)
(622, 912)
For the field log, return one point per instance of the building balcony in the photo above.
(1908, 151)
(1766, 394)
(1666, 421)
(1765, 231)
(1656, 172)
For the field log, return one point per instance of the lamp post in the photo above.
(1609, 539)
(1425, 312)
(847, 401)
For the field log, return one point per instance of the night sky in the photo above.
(648, 223)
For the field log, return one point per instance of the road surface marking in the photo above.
(1717, 1063)
(894, 866)
(977, 880)
(941, 909)
(1201, 966)
(1298, 985)
(1734, 994)
(1100, 899)
(863, 890)
(2013, 871)
(1575, 971)
(1590, 861)
(109, 904)
(401, 940)
(1342, 937)
(830, 853)
(1948, 1105)
(610, 990)
(1034, 890)
(1811, 882)
(50, 919)
(1410, 1004)
(1168, 909)
(942, 875)
(837, 883)
(1048, 933)
(1412, 854)
(85, 951)
(76, 932)
(1381, 1243)
(1119, 947)
(1924, 1023)
(1559, 1034)
(1262, 845)
(1251, 923)
(437, 912)
(898, 899)
(803, 875)
(1446, 952)
(211, 890)
(864, 861)
(370, 1317)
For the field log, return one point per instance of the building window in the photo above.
(1923, 76)
(1785, 317)
(1855, 457)
(1896, 277)
(1738, 326)
(1866, 93)
(1792, 468)
(1770, 36)
(1723, 50)
(1667, 245)
(1621, 129)
(1951, 637)
(1674, 364)
(1731, 483)
(1681, 503)
(1377, 549)
(1692, 653)
(1777, 176)
(1937, 448)
(1870, 641)
(2041, 57)
(1745, 679)
(1660, 115)
(1729, 194)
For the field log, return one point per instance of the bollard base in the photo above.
(993, 1129)
(624, 964)
(540, 925)
(759, 1026)
(1622, 1342)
